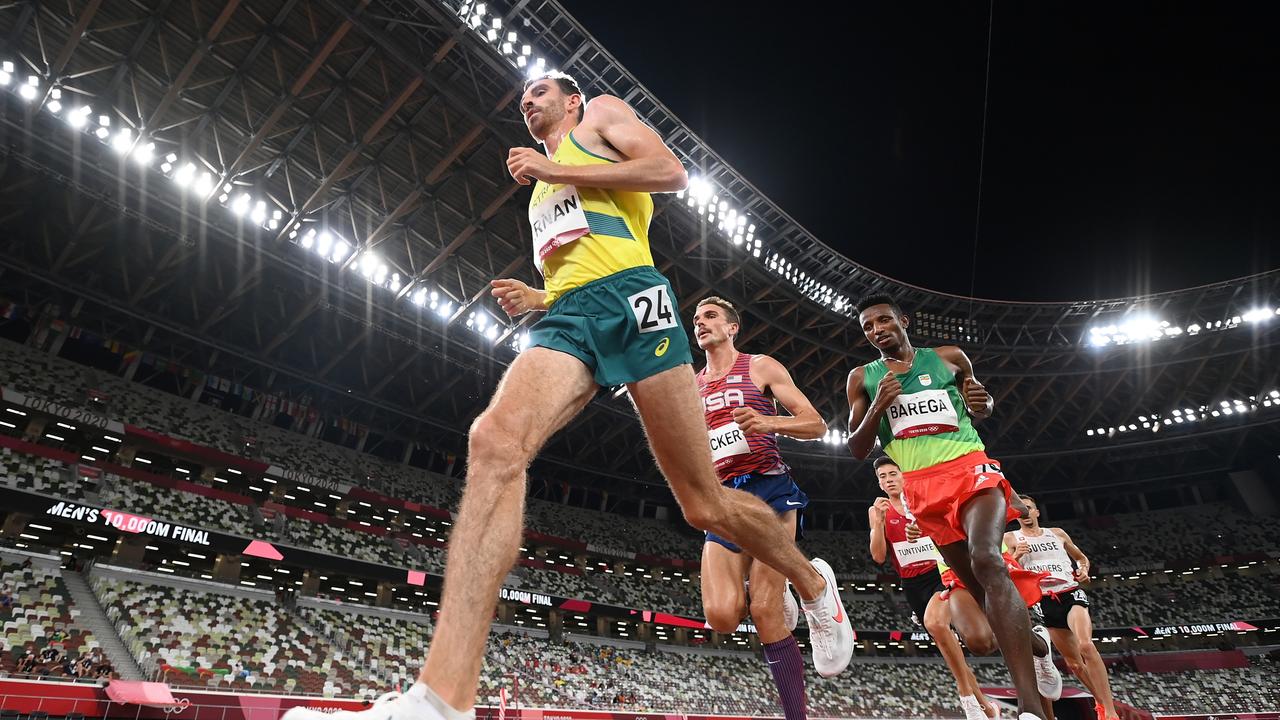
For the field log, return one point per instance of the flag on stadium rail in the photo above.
(502, 703)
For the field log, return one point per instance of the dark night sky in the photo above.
(1131, 147)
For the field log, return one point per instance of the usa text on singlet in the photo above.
(582, 234)
(928, 423)
(735, 453)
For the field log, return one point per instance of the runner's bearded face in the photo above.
(543, 106)
(890, 478)
(711, 327)
(885, 329)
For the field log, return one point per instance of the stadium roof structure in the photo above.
(312, 196)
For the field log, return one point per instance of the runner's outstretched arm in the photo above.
(805, 423)
(647, 164)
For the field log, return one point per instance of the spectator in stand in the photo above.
(27, 664)
(6, 602)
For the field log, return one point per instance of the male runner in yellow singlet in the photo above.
(610, 320)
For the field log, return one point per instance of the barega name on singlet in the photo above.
(556, 220)
(927, 412)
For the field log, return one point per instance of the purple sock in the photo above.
(787, 666)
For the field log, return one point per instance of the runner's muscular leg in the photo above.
(541, 391)
(937, 621)
(767, 586)
(723, 599)
(1081, 624)
(983, 517)
(676, 425)
(969, 620)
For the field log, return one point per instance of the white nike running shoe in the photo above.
(830, 631)
(790, 609)
(390, 706)
(972, 708)
(1048, 679)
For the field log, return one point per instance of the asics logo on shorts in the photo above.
(662, 347)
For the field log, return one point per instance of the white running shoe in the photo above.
(790, 609)
(1048, 679)
(972, 708)
(390, 706)
(830, 631)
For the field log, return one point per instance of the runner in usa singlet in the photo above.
(734, 452)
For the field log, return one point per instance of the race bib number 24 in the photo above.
(652, 308)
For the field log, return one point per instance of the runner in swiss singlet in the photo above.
(1064, 603)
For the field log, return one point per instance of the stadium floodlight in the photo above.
(184, 174)
(341, 250)
(1257, 315)
(79, 117)
(204, 184)
(380, 274)
(240, 206)
(55, 104)
(323, 241)
(259, 213)
(122, 141)
(28, 91)
(143, 152)
(368, 264)
(308, 240)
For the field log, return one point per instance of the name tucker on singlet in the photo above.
(1047, 553)
(733, 451)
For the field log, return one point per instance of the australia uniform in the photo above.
(607, 304)
(746, 462)
(1048, 554)
(916, 562)
(928, 433)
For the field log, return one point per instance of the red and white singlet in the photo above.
(734, 452)
(910, 559)
(1048, 554)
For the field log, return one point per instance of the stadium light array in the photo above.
(1143, 328)
(701, 196)
(1155, 422)
(194, 176)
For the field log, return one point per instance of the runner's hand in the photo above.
(913, 532)
(752, 422)
(1020, 549)
(976, 396)
(1082, 572)
(888, 390)
(877, 511)
(526, 165)
(517, 298)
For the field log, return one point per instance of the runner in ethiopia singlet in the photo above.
(735, 453)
